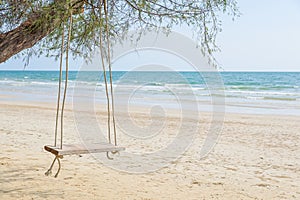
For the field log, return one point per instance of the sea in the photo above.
(233, 92)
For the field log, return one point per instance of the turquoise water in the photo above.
(250, 92)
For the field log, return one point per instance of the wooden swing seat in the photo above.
(75, 149)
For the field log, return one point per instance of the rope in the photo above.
(110, 71)
(105, 80)
(57, 157)
(66, 81)
(49, 171)
(59, 83)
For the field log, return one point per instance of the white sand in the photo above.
(257, 157)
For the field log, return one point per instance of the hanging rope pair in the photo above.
(60, 81)
(49, 172)
(110, 110)
(58, 150)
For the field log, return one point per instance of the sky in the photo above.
(266, 37)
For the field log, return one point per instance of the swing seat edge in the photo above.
(75, 149)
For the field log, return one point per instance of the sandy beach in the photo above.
(256, 157)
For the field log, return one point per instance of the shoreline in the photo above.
(229, 108)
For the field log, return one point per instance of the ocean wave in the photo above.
(42, 83)
(280, 98)
(263, 93)
(154, 84)
(259, 87)
(254, 98)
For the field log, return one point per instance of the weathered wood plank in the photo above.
(73, 149)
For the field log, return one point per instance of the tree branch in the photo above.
(35, 28)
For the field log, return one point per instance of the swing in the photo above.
(77, 149)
